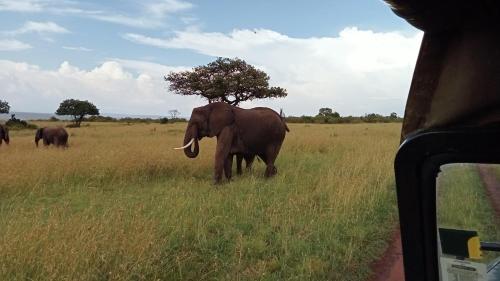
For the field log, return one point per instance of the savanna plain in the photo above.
(121, 204)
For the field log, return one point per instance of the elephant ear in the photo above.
(221, 115)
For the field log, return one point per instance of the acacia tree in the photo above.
(4, 107)
(228, 80)
(328, 112)
(174, 113)
(78, 109)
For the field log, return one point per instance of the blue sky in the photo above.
(354, 56)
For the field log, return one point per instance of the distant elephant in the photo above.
(252, 132)
(4, 134)
(52, 135)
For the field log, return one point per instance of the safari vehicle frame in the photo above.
(417, 165)
(452, 114)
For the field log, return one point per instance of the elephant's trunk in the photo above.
(191, 133)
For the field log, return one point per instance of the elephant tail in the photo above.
(282, 116)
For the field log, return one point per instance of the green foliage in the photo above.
(374, 118)
(227, 80)
(326, 115)
(4, 107)
(78, 109)
(163, 120)
(321, 119)
(98, 118)
(328, 112)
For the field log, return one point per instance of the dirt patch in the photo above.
(390, 266)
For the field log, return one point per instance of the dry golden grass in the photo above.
(120, 204)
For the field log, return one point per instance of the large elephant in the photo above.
(4, 134)
(245, 132)
(52, 135)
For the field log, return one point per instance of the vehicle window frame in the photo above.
(417, 166)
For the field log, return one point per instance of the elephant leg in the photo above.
(222, 152)
(271, 154)
(239, 160)
(228, 166)
(249, 158)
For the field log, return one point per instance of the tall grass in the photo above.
(120, 204)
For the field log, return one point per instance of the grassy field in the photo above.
(120, 204)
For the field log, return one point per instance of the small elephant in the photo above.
(4, 134)
(52, 135)
(241, 132)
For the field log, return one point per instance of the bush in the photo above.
(16, 124)
(98, 118)
(164, 120)
(334, 119)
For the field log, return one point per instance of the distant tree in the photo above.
(328, 112)
(4, 107)
(174, 113)
(374, 118)
(228, 80)
(78, 109)
(393, 115)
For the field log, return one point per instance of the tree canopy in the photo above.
(328, 112)
(78, 109)
(228, 80)
(4, 107)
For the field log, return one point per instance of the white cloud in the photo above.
(39, 27)
(149, 15)
(82, 49)
(13, 45)
(146, 67)
(357, 72)
(153, 14)
(21, 5)
(115, 86)
(141, 22)
(162, 8)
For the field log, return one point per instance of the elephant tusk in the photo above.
(187, 145)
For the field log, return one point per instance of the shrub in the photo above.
(17, 124)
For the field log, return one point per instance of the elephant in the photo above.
(52, 135)
(241, 132)
(4, 134)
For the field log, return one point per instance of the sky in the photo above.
(356, 57)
